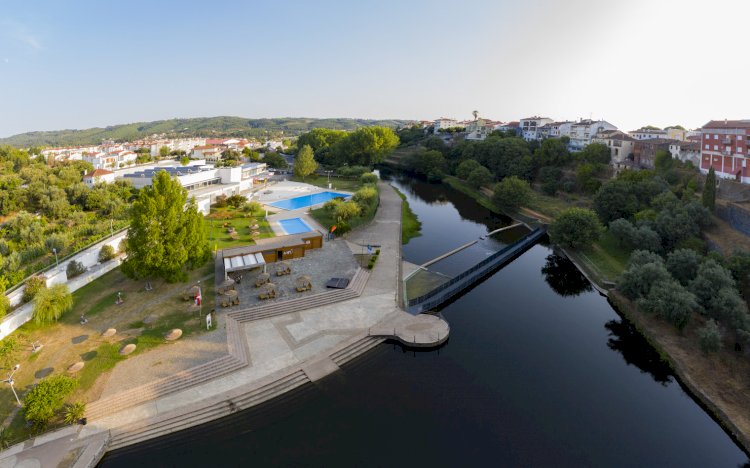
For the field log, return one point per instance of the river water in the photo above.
(539, 371)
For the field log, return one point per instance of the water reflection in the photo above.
(563, 277)
(625, 339)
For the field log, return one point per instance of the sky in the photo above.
(81, 64)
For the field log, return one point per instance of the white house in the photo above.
(530, 127)
(209, 153)
(686, 151)
(584, 131)
(444, 124)
(98, 176)
(648, 133)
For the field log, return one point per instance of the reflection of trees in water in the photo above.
(625, 339)
(563, 277)
(438, 194)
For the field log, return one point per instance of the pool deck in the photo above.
(268, 354)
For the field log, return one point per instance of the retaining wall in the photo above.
(738, 216)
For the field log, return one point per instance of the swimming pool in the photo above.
(294, 226)
(304, 201)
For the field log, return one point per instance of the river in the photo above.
(539, 370)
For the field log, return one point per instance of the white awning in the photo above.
(244, 262)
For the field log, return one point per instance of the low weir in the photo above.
(465, 279)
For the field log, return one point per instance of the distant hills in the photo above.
(202, 126)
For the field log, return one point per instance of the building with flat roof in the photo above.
(724, 147)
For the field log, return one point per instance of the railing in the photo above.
(530, 238)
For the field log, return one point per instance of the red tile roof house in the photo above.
(97, 176)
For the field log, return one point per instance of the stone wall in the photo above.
(737, 215)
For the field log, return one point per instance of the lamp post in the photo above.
(54, 251)
(10, 382)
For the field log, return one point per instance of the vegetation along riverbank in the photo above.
(639, 235)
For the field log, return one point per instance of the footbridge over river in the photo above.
(440, 287)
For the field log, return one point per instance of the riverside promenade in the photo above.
(270, 350)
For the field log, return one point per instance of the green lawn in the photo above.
(220, 220)
(338, 183)
(605, 257)
(410, 224)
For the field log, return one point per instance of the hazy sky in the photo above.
(78, 64)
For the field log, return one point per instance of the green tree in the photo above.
(711, 278)
(670, 301)
(739, 265)
(166, 232)
(51, 303)
(236, 200)
(366, 146)
(551, 179)
(585, 178)
(480, 177)
(637, 280)
(710, 337)
(595, 153)
(106, 253)
(615, 200)
(304, 162)
(163, 152)
(466, 168)
(511, 192)
(184, 161)
(428, 163)
(552, 152)
(709, 190)
(4, 302)
(274, 160)
(575, 227)
(683, 265)
(47, 397)
(663, 161)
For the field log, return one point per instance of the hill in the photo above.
(202, 126)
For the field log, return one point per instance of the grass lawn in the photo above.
(68, 341)
(410, 225)
(607, 259)
(337, 183)
(220, 220)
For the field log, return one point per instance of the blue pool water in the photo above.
(294, 226)
(306, 200)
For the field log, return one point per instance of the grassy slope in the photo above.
(605, 260)
(202, 126)
(218, 236)
(410, 225)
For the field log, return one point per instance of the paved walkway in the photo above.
(274, 355)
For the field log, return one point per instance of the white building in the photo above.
(444, 124)
(98, 176)
(209, 153)
(686, 151)
(530, 127)
(648, 134)
(584, 131)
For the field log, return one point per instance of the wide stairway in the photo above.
(238, 354)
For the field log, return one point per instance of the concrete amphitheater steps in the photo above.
(120, 401)
(355, 349)
(133, 434)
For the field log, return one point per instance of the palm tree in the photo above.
(475, 114)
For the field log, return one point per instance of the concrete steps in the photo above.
(355, 349)
(237, 347)
(135, 433)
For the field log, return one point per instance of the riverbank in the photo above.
(719, 381)
(410, 225)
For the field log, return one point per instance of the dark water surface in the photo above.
(539, 371)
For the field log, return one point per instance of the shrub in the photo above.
(369, 178)
(236, 200)
(479, 177)
(575, 227)
(366, 196)
(106, 253)
(51, 303)
(251, 207)
(346, 211)
(74, 269)
(670, 301)
(45, 399)
(221, 201)
(709, 337)
(637, 281)
(4, 305)
(466, 168)
(57, 241)
(353, 171)
(331, 205)
(33, 286)
(74, 412)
